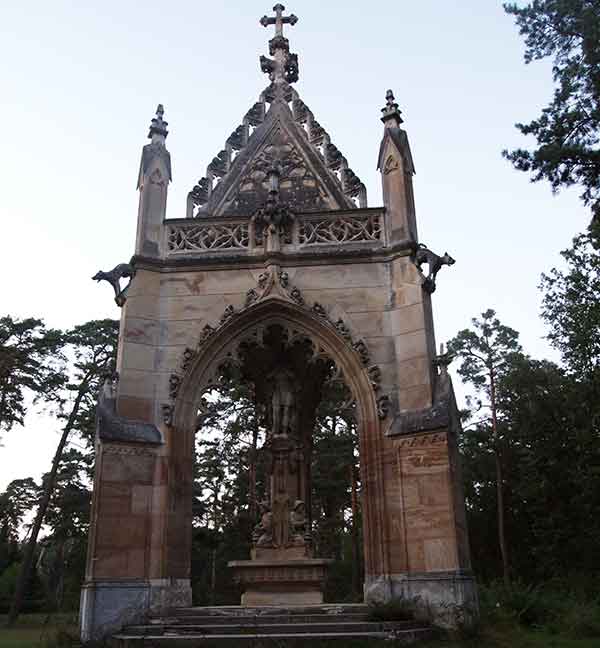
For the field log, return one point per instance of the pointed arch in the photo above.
(267, 312)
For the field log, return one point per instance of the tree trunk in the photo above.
(25, 571)
(253, 454)
(213, 576)
(499, 489)
(213, 572)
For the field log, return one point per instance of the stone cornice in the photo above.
(326, 255)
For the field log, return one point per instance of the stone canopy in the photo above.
(277, 247)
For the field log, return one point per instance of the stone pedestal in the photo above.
(281, 582)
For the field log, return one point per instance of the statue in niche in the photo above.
(283, 403)
(281, 526)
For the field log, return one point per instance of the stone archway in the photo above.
(220, 346)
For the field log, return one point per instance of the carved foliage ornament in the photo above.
(191, 238)
(391, 164)
(345, 229)
(267, 281)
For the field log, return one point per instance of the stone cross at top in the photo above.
(280, 20)
(283, 67)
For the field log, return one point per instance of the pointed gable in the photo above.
(312, 173)
(315, 176)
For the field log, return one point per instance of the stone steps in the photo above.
(271, 610)
(403, 637)
(269, 628)
(236, 625)
(251, 620)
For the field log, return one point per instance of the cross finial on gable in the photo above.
(284, 65)
(280, 20)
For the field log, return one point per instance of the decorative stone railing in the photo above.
(360, 228)
(196, 236)
(347, 228)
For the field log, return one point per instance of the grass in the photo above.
(38, 631)
(514, 638)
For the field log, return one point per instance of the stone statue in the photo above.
(281, 521)
(263, 532)
(283, 404)
(282, 525)
(114, 276)
(298, 520)
(273, 222)
(434, 263)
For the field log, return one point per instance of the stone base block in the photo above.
(106, 606)
(448, 599)
(281, 582)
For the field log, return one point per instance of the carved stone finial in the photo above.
(390, 111)
(158, 126)
(283, 67)
(275, 219)
(444, 359)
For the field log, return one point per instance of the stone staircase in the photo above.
(267, 626)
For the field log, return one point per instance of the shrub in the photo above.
(543, 606)
(398, 609)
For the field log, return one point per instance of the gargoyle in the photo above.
(114, 276)
(434, 262)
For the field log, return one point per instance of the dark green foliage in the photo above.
(568, 130)
(31, 365)
(549, 454)
(75, 364)
(552, 607)
(571, 308)
(549, 439)
(485, 352)
(18, 499)
(485, 348)
(92, 349)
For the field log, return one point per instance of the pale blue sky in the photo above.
(80, 82)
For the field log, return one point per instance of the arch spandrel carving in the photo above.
(275, 302)
(221, 347)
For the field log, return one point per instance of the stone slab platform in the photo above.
(281, 582)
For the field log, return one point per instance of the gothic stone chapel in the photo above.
(280, 269)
